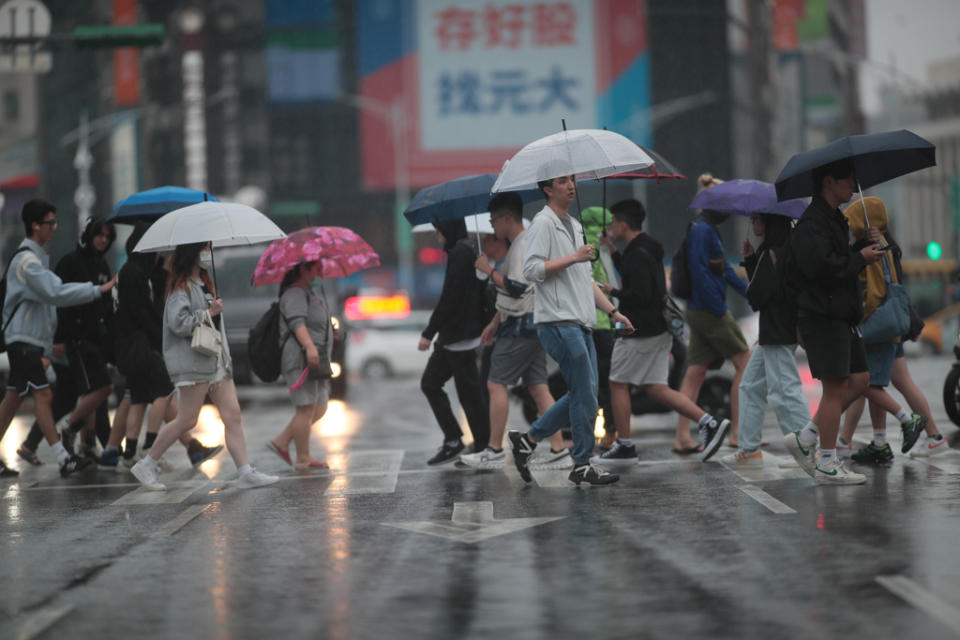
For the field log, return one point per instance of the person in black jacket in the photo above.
(823, 272)
(642, 358)
(83, 383)
(772, 370)
(457, 322)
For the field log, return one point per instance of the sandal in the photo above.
(283, 453)
(312, 465)
(29, 456)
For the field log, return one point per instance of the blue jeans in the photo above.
(573, 350)
(771, 375)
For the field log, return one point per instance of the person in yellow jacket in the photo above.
(872, 224)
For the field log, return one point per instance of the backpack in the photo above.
(680, 285)
(262, 344)
(3, 299)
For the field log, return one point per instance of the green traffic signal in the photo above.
(114, 36)
(934, 251)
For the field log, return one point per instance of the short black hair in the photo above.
(630, 211)
(35, 211)
(509, 202)
(837, 170)
(543, 184)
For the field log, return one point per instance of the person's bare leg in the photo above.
(851, 419)
(739, 364)
(301, 432)
(879, 396)
(878, 417)
(838, 394)
(903, 382)
(8, 408)
(620, 403)
(87, 404)
(43, 410)
(499, 409)
(224, 396)
(119, 428)
(690, 387)
(191, 400)
(135, 420)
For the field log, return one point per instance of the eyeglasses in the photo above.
(52, 223)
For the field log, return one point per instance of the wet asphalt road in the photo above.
(384, 546)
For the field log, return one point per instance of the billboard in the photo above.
(454, 87)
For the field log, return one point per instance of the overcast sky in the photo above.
(908, 35)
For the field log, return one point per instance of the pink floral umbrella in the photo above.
(340, 251)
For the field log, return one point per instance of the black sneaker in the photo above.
(912, 429)
(873, 454)
(202, 454)
(7, 472)
(712, 435)
(618, 453)
(72, 464)
(27, 454)
(591, 475)
(522, 450)
(446, 453)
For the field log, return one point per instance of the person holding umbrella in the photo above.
(824, 269)
(457, 322)
(557, 261)
(191, 300)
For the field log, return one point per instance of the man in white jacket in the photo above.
(29, 320)
(557, 261)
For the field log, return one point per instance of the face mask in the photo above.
(206, 259)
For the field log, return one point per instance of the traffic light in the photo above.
(115, 36)
(934, 251)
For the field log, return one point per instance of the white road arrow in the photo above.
(472, 522)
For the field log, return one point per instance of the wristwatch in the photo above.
(613, 311)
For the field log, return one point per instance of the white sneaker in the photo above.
(743, 459)
(544, 458)
(804, 454)
(147, 475)
(836, 473)
(930, 448)
(163, 465)
(253, 479)
(486, 459)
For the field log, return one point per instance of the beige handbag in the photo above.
(206, 338)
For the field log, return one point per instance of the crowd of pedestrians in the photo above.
(590, 293)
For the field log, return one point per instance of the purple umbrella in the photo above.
(747, 198)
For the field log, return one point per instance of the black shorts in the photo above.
(88, 366)
(834, 348)
(26, 368)
(149, 381)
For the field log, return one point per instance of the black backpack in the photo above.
(680, 285)
(263, 345)
(3, 299)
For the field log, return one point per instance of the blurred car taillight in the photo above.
(367, 307)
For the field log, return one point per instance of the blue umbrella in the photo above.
(877, 157)
(457, 198)
(153, 203)
(747, 198)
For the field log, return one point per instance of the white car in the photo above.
(387, 347)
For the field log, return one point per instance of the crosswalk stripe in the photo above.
(368, 472)
(181, 520)
(765, 499)
(39, 621)
(922, 599)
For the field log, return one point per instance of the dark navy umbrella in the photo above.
(747, 198)
(877, 157)
(153, 203)
(457, 198)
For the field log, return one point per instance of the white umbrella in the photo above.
(223, 224)
(477, 223)
(585, 153)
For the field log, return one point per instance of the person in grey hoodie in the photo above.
(29, 321)
(191, 300)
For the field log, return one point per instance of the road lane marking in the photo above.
(368, 472)
(943, 465)
(765, 499)
(472, 522)
(774, 468)
(180, 521)
(174, 494)
(39, 621)
(922, 599)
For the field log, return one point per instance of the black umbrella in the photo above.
(877, 157)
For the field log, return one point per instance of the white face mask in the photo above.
(206, 259)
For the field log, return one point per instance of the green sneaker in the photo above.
(912, 430)
(873, 454)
